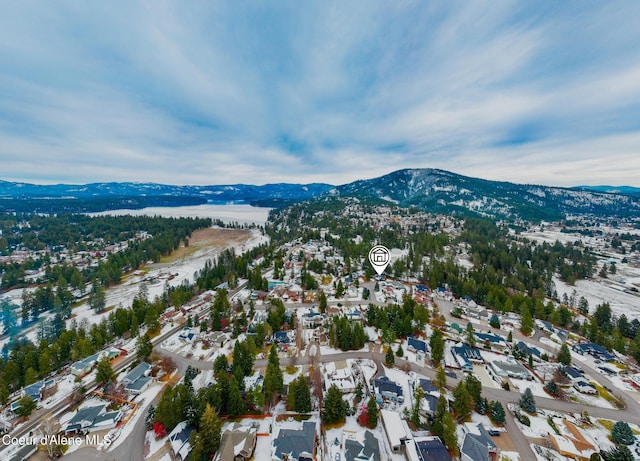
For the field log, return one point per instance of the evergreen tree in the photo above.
(220, 364)
(97, 297)
(389, 358)
(527, 322)
(444, 425)
(564, 355)
(441, 378)
(474, 387)
(322, 300)
(273, 382)
(104, 371)
(436, 343)
(339, 289)
(494, 321)
(461, 401)
(372, 412)
(399, 351)
(4, 392)
(236, 403)
(303, 396)
(144, 347)
(335, 409)
(618, 453)
(26, 406)
(527, 401)
(418, 396)
(622, 433)
(208, 437)
(510, 337)
(497, 413)
(481, 406)
(470, 335)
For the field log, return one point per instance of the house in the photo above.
(362, 446)
(529, 350)
(573, 374)
(465, 355)
(311, 318)
(39, 390)
(394, 429)
(387, 389)
(595, 350)
(188, 334)
(179, 441)
(431, 449)
(585, 388)
(508, 369)
(281, 337)
(137, 380)
(84, 366)
(477, 444)
(428, 387)
(416, 345)
(237, 443)
(496, 342)
(92, 419)
(295, 444)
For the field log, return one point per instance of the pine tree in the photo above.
(144, 347)
(372, 412)
(208, 437)
(474, 387)
(497, 413)
(389, 358)
(273, 382)
(104, 371)
(618, 453)
(510, 337)
(461, 401)
(564, 355)
(527, 322)
(335, 409)
(236, 403)
(527, 402)
(418, 395)
(303, 396)
(494, 321)
(622, 433)
(220, 364)
(322, 300)
(441, 378)
(444, 426)
(471, 335)
(436, 344)
(26, 406)
(400, 352)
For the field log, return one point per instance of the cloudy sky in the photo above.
(215, 92)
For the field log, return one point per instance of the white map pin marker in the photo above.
(379, 258)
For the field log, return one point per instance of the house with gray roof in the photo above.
(237, 443)
(137, 380)
(363, 446)
(92, 419)
(179, 441)
(295, 444)
(38, 390)
(387, 389)
(431, 449)
(477, 444)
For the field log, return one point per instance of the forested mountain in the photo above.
(446, 192)
(427, 189)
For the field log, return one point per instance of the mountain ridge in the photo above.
(429, 189)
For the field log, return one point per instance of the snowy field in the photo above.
(243, 214)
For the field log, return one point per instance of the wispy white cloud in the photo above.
(222, 92)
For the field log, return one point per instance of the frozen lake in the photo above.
(243, 214)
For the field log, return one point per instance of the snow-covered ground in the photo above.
(599, 291)
(173, 274)
(244, 214)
